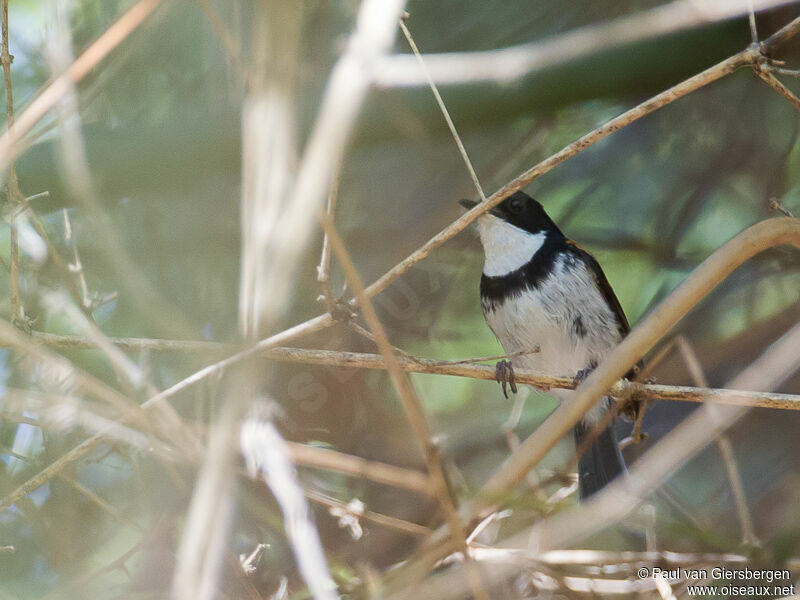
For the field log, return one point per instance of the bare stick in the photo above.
(445, 112)
(413, 364)
(776, 85)
(14, 194)
(378, 472)
(368, 515)
(411, 405)
(751, 19)
(51, 95)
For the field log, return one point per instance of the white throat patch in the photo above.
(506, 246)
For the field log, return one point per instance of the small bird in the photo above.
(540, 289)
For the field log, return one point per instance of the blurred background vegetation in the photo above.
(161, 124)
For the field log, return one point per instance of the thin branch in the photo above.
(378, 472)
(698, 375)
(368, 515)
(445, 113)
(411, 405)
(268, 348)
(15, 196)
(52, 94)
(776, 85)
(751, 19)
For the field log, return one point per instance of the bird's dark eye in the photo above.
(515, 206)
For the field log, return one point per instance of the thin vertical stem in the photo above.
(12, 185)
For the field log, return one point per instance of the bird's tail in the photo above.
(601, 462)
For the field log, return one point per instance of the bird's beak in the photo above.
(468, 204)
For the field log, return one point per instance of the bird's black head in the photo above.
(522, 211)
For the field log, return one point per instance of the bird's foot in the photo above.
(581, 376)
(504, 375)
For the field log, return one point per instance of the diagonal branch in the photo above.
(411, 405)
(777, 85)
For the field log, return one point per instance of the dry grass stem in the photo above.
(372, 516)
(445, 113)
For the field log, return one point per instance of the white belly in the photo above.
(524, 322)
(547, 317)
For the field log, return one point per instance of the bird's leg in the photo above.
(581, 375)
(504, 375)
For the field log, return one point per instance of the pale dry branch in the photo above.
(411, 405)
(378, 472)
(508, 64)
(324, 267)
(268, 348)
(368, 515)
(698, 375)
(778, 86)
(55, 91)
(267, 456)
(751, 20)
